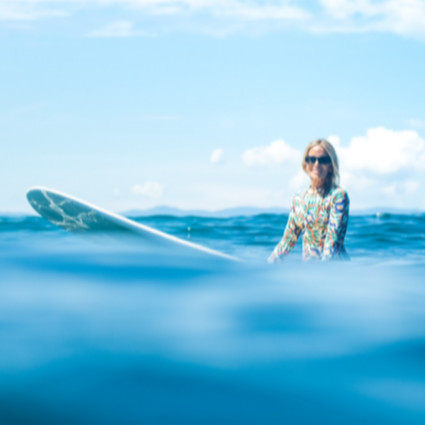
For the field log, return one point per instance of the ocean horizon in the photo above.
(229, 212)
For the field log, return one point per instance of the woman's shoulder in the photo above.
(338, 194)
(338, 191)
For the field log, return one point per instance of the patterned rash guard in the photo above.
(322, 220)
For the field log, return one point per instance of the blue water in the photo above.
(98, 330)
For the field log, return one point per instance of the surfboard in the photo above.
(75, 215)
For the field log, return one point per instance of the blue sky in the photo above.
(209, 104)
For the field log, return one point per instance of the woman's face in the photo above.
(318, 172)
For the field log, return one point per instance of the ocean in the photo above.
(98, 330)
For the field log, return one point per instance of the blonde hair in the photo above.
(333, 176)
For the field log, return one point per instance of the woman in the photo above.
(319, 212)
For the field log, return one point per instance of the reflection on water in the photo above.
(103, 332)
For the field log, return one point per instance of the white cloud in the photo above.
(404, 17)
(149, 188)
(278, 152)
(27, 10)
(253, 10)
(382, 151)
(384, 167)
(217, 156)
(343, 9)
(261, 11)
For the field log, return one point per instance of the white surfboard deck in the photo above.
(75, 215)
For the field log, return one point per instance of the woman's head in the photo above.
(320, 162)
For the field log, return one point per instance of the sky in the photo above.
(202, 104)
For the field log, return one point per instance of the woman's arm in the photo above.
(337, 226)
(289, 239)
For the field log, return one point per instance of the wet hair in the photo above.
(333, 176)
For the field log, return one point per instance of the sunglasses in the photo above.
(322, 160)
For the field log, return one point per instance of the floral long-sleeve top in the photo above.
(322, 220)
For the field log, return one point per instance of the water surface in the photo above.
(99, 330)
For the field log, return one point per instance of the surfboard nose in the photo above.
(56, 208)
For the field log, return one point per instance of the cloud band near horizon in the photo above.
(383, 161)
